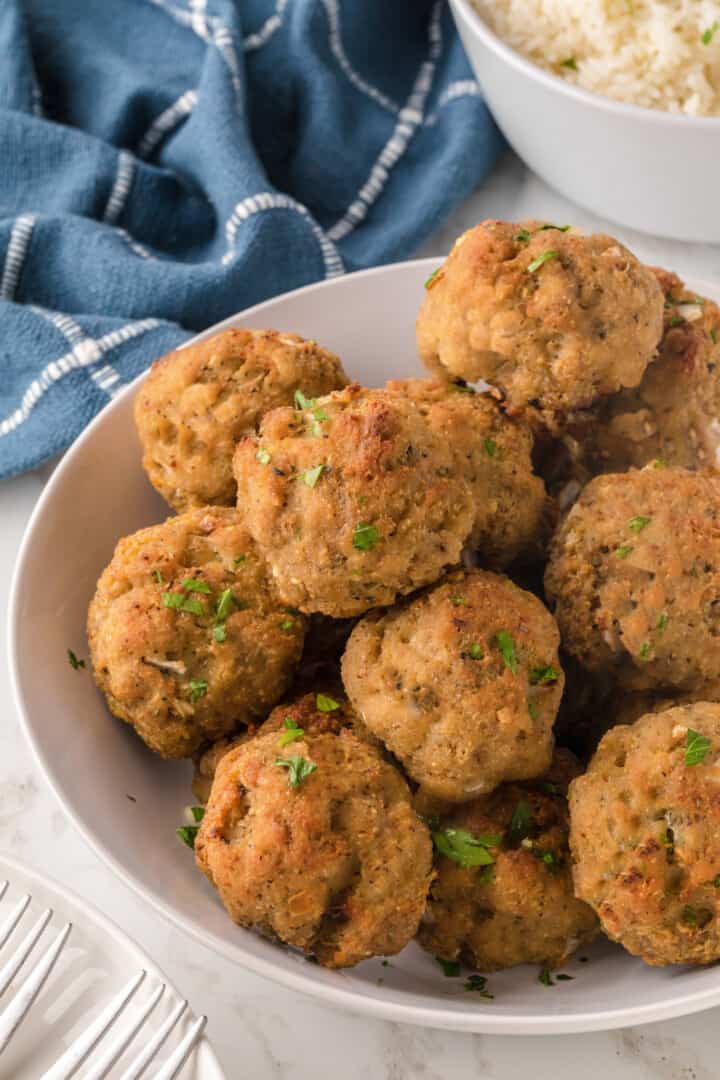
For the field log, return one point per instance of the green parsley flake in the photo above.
(638, 523)
(659, 463)
(520, 823)
(263, 456)
(198, 812)
(562, 977)
(458, 601)
(546, 674)
(541, 260)
(311, 476)
(716, 882)
(73, 661)
(709, 34)
(158, 577)
(220, 633)
(522, 237)
(462, 847)
(713, 337)
(193, 585)
(239, 559)
(365, 536)
(478, 984)
(324, 703)
(198, 689)
(475, 651)
(645, 650)
(490, 447)
(506, 645)
(224, 606)
(287, 624)
(545, 976)
(533, 710)
(461, 388)
(696, 748)
(432, 277)
(624, 550)
(180, 602)
(303, 402)
(451, 968)
(187, 834)
(558, 228)
(662, 622)
(299, 768)
(570, 62)
(292, 731)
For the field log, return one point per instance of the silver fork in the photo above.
(89, 1041)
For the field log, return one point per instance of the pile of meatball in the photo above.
(447, 658)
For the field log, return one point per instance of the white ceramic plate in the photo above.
(98, 494)
(96, 962)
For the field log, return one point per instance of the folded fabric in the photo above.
(166, 163)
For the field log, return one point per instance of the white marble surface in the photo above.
(263, 1031)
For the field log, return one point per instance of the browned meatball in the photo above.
(503, 893)
(196, 404)
(353, 500)
(553, 318)
(462, 683)
(512, 511)
(187, 637)
(634, 574)
(317, 842)
(644, 826)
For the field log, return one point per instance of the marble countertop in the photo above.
(258, 1029)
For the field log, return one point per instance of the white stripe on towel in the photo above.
(170, 118)
(17, 250)
(332, 8)
(121, 187)
(459, 89)
(273, 200)
(268, 28)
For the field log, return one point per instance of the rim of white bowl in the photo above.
(351, 999)
(515, 59)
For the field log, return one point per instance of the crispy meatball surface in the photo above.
(634, 574)
(552, 318)
(462, 683)
(353, 500)
(508, 901)
(197, 402)
(674, 414)
(645, 820)
(187, 637)
(338, 865)
(512, 511)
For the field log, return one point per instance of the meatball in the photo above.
(553, 318)
(644, 827)
(317, 842)
(503, 892)
(353, 500)
(196, 404)
(674, 414)
(187, 638)
(462, 683)
(634, 574)
(512, 511)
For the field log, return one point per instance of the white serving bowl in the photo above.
(93, 763)
(654, 171)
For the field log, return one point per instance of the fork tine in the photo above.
(16, 1011)
(177, 1059)
(18, 958)
(76, 1054)
(149, 1052)
(103, 1066)
(13, 918)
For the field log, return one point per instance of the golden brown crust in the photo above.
(338, 866)
(197, 402)
(634, 573)
(151, 660)
(521, 909)
(383, 470)
(583, 322)
(644, 827)
(430, 680)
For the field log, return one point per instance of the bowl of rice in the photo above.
(615, 103)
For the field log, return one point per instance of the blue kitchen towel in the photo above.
(165, 163)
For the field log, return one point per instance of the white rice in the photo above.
(647, 52)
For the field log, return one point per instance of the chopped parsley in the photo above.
(506, 645)
(287, 624)
(638, 523)
(311, 476)
(713, 337)
(475, 652)
(365, 536)
(716, 881)
(299, 768)
(662, 622)
(675, 320)
(709, 34)
(461, 388)
(224, 606)
(219, 632)
(303, 402)
(490, 447)
(570, 62)
(73, 661)
(562, 977)
(432, 277)
(263, 456)
(158, 577)
(545, 976)
(558, 228)
(533, 710)
(187, 834)
(451, 968)
(478, 984)
(696, 748)
(198, 812)
(624, 550)
(180, 602)
(696, 918)
(193, 585)
(324, 703)
(458, 601)
(546, 674)
(520, 823)
(292, 731)
(541, 260)
(239, 559)
(462, 847)
(522, 237)
(645, 650)
(659, 463)
(198, 689)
